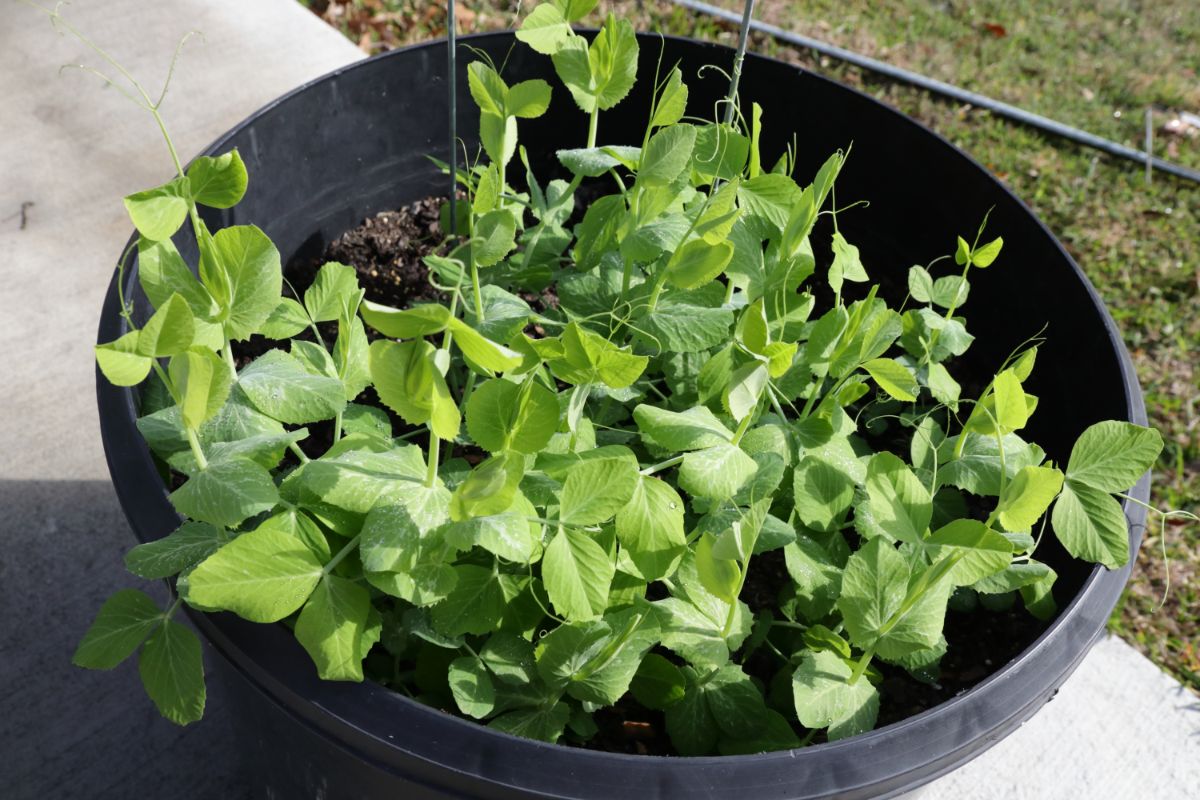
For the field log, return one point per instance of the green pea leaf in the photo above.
(694, 429)
(745, 389)
(574, 10)
(331, 626)
(121, 362)
(279, 386)
(286, 320)
(123, 623)
(846, 266)
(658, 684)
(985, 255)
(1111, 456)
(823, 493)
(595, 661)
(981, 551)
(423, 319)
(825, 698)
(481, 351)
(162, 272)
(544, 723)
(502, 415)
(672, 101)
(252, 265)
(512, 534)
(545, 29)
(528, 99)
(719, 575)
(475, 605)
(650, 528)
(262, 576)
(899, 504)
(894, 378)
(333, 290)
(169, 331)
(613, 59)
(596, 490)
(159, 212)
(172, 670)
(1027, 497)
(202, 382)
(472, 687)
(487, 88)
(817, 577)
(716, 472)
(489, 489)
(697, 263)
(187, 545)
(676, 325)
(577, 573)
(667, 155)
(1091, 525)
(592, 162)
(494, 237)
(218, 182)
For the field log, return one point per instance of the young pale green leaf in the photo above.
(404, 377)
(423, 319)
(333, 290)
(694, 429)
(577, 573)
(920, 284)
(985, 255)
(157, 213)
(962, 252)
(189, 544)
(667, 155)
(823, 493)
(202, 382)
(1027, 497)
(498, 135)
(512, 535)
(846, 266)
(697, 263)
(874, 585)
(720, 153)
(120, 361)
(825, 697)
(279, 386)
(1111, 456)
(979, 467)
(1091, 525)
(592, 162)
(950, 291)
(720, 576)
(481, 351)
(487, 88)
(545, 29)
(218, 182)
(613, 59)
(745, 389)
(295, 522)
(472, 687)
(287, 320)
(494, 237)
(898, 503)
(251, 264)
(650, 528)
(894, 378)
(262, 576)
(716, 472)
(573, 66)
(123, 623)
(400, 561)
(672, 101)
(331, 625)
(596, 490)
(172, 670)
(590, 358)
(528, 99)
(676, 325)
(489, 489)
(574, 10)
(502, 415)
(980, 551)
(162, 272)
(170, 331)
(1011, 408)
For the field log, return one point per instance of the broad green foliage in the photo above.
(569, 503)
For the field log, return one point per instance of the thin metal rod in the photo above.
(948, 90)
(452, 88)
(743, 35)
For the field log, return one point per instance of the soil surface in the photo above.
(387, 251)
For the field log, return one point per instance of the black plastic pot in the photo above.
(355, 142)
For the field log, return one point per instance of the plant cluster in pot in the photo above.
(665, 464)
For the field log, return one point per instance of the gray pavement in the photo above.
(69, 150)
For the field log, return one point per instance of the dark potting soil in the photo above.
(387, 251)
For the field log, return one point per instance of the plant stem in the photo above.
(227, 352)
(670, 462)
(197, 452)
(300, 454)
(337, 427)
(434, 450)
(744, 425)
(593, 124)
(475, 291)
(862, 665)
(345, 551)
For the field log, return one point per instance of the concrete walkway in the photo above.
(69, 150)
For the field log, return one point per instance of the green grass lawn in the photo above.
(1096, 66)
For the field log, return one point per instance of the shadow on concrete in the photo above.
(70, 733)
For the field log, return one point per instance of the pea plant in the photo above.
(580, 491)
